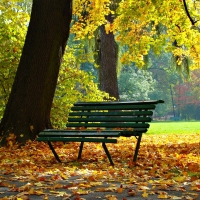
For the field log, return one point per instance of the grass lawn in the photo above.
(174, 127)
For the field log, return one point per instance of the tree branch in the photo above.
(187, 12)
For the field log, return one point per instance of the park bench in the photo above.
(103, 122)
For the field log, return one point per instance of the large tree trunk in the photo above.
(108, 62)
(29, 105)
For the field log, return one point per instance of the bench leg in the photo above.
(137, 147)
(80, 150)
(107, 153)
(54, 152)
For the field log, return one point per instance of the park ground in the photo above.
(168, 167)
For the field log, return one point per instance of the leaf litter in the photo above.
(167, 165)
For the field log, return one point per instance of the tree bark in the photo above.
(29, 105)
(108, 62)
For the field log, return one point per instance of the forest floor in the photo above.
(168, 167)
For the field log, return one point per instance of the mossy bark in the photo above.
(108, 62)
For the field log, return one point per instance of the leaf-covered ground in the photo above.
(168, 167)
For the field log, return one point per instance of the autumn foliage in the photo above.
(166, 163)
(187, 97)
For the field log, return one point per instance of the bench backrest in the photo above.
(128, 116)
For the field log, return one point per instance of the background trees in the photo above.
(187, 99)
(135, 84)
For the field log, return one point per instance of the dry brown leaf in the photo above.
(132, 192)
(120, 190)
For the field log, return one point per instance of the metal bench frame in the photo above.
(114, 119)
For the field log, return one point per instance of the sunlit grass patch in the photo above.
(174, 127)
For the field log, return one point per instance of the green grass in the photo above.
(174, 127)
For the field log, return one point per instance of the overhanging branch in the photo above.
(187, 12)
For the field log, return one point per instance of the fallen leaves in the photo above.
(166, 164)
(132, 192)
(11, 140)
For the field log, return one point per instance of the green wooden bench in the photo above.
(103, 122)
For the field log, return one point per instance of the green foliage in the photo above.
(165, 77)
(73, 85)
(26, 5)
(13, 26)
(135, 84)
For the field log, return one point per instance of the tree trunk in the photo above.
(108, 62)
(28, 108)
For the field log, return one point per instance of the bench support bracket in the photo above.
(137, 147)
(107, 153)
(80, 150)
(54, 152)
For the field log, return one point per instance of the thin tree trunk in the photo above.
(108, 62)
(28, 109)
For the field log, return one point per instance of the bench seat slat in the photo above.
(109, 125)
(128, 113)
(114, 107)
(114, 131)
(135, 130)
(95, 133)
(77, 139)
(111, 119)
(79, 134)
(118, 103)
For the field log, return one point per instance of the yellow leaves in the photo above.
(107, 28)
(31, 191)
(111, 197)
(120, 189)
(39, 192)
(39, 184)
(90, 16)
(31, 128)
(145, 194)
(13, 25)
(179, 178)
(65, 177)
(80, 192)
(60, 194)
(105, 189)
(11, 140)
(169, 26)
(166, 163)
(45, 197)
(23, 197)
(163, 195)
